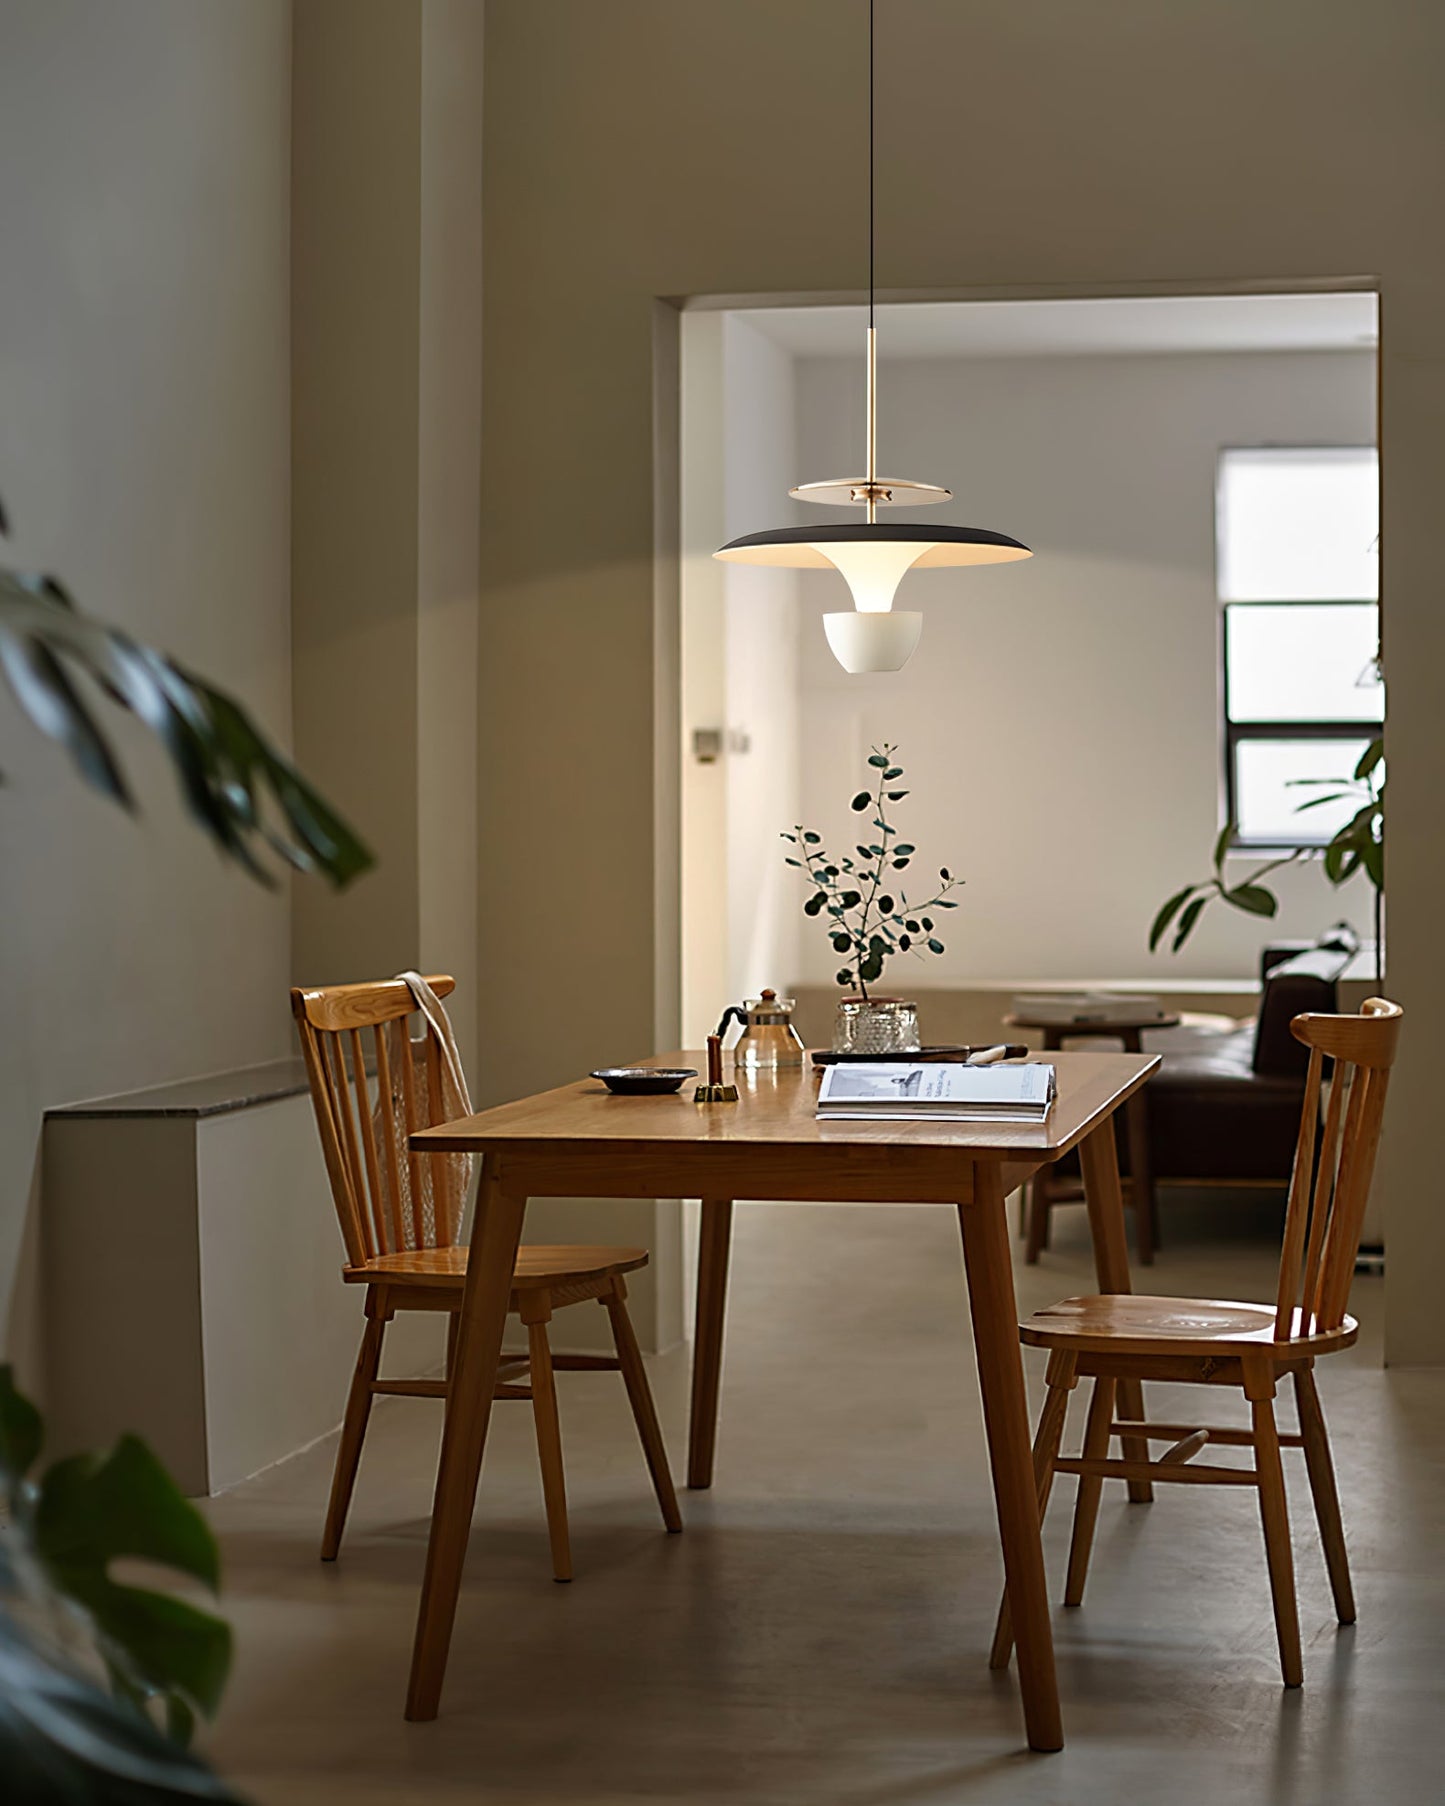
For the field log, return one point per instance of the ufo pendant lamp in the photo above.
(872, 556)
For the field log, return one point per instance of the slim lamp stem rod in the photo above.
(872, 420)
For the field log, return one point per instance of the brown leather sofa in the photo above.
(1229, 1107)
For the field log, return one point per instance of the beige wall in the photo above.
(1078, 793)
(386, 375)
(144, 456)
(650, 148)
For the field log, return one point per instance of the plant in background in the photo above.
(238, 788)
(866, 922)
(62, 1612)
(1358, 845)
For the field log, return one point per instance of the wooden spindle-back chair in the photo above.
(1210, 1342)
(403, 1241)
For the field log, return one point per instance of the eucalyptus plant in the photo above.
(1357, 846)
(64, 1614)
(238, 788)
(867, 921)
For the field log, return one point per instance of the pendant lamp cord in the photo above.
(872, 434)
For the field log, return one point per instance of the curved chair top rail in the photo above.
(1368, 1039)
(361, 1006)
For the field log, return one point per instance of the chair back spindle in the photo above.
(352, 1039)
(1334, 1163)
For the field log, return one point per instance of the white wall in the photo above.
(144, 456)
(740, 639)
(763, 701)
(1059, 722)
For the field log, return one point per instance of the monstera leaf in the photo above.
(241, 792)
(66, 1531)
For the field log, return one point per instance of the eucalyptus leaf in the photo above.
(862, 801)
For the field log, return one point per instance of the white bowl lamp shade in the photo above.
(872, 558)
(873, 641)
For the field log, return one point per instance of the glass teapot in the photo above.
(768, 1037)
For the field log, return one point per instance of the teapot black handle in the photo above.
(728, 1014)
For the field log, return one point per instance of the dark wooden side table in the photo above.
(1046, 1188)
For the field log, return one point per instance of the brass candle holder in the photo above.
(714, 1091)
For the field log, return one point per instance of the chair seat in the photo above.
(538, 1264)
(1138, 1324)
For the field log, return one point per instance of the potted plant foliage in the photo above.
(867, 914)
(1358, 846)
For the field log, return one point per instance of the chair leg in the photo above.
(454, 1324)
(639, 1394)
(1086, 1506)
(1061, 1382)
(1038, 1236)
(549, 1443)
(1321, 1470)
(353, 1433)
(1274, 1514)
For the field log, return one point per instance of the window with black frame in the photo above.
(1297, 564)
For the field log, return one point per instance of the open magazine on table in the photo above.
(912, 1091)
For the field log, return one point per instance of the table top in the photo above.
(1113, 1027)
(776, 1110)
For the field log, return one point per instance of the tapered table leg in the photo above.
(483, 1318)
(714, 1242)
(1006, 1423)
(1104, 1197)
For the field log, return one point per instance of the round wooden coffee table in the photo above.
(1045, 1190)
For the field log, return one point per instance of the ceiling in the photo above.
(1108, 327)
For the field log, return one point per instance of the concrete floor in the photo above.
(819, 1633)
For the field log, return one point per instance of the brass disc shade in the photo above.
(806, 548)
(883, 492)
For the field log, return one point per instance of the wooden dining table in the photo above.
(582, 1141)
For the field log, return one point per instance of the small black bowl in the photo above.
(644, 1081)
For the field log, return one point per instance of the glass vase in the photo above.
(875, 1025)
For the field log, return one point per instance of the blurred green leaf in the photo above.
(1370, 758)
(228, 772)
(1254, 898)
(1188, 919)
(1223, 844)
(21, 1432)
(1167, 914)
(64, 1741)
